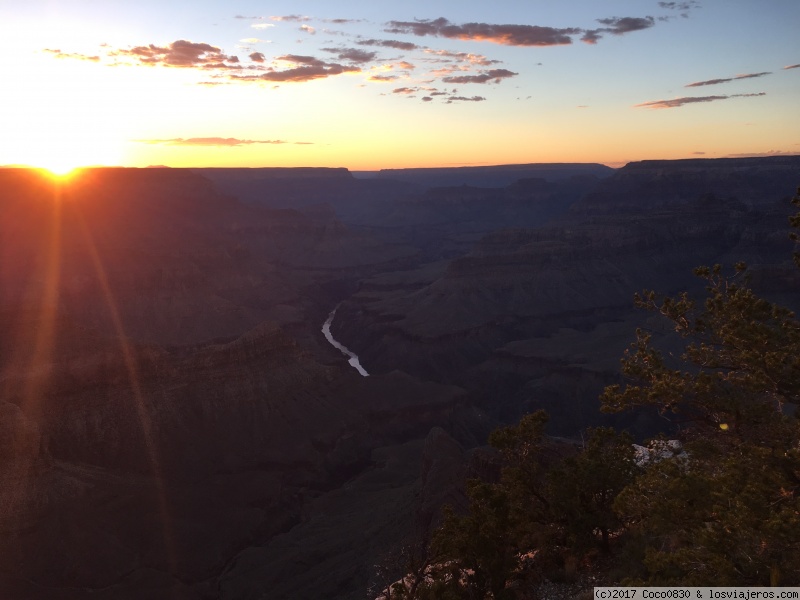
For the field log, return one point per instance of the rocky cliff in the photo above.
(647, 226)
(165, 404)
(173, 423)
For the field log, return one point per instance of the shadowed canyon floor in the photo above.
(174, 424)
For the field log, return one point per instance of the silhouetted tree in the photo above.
(730, 513)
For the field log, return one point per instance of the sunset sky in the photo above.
(401, 84)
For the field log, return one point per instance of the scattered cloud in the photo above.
(209, 141)
(181, 53)
(678, 102)
(342, 21)
(475, 59)
(409, 62)
(718, 81)
(396, 44)
(307, 68)
(291, 18)
(451, 99)
(205, 57)
(431, 94)
(797, 66)
(383, 78)
(622, 25)
(683, 7)
(73, 55)
(494, 75)
(617, 26)
(448, 70)
(698, 153)
(352, 54)
(518, 35)
(507, 35)
(679, 5)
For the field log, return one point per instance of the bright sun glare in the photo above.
(60, 170)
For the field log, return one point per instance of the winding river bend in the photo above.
(351, 356)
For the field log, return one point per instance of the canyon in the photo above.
(174, 422)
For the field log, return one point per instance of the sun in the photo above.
(60, 170)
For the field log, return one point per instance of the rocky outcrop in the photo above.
(160, 255)
(651, 183)
(494, 176)
(457, 323)
(164, 406)
(172, 423)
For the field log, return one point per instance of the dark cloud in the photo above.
(592, 36)
(209, 141)
(797, 66)
(622, 25)
(698, 153)
(508, 35)
(352, 54)
(300, 59)
(427, 99)
(248, 18)
(678, 102)
(397, 45)
(718, 81)
(181, 53)
(617, 26)
(495, 75)
(258, 57)
(519, 35)
(405, 90)
(73, 55)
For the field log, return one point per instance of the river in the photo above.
(351, 356)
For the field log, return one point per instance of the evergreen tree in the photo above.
(794, 221)
(730, 514)
(582, 489)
